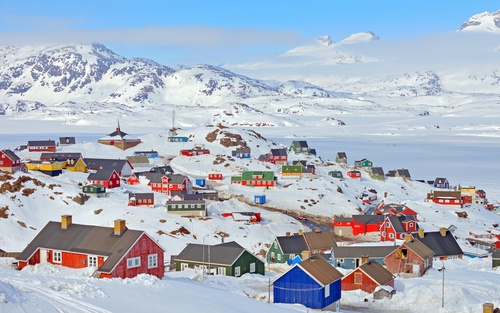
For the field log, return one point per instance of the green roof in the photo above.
(266, 175)
(291, 169)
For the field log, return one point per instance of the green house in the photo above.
(336, 174)
(495, 258)
(341, 157)
(256, 179)
(364, 164)
(286, 248)
(377, 173)
(95, 190)
(229, 259)
(299, 146)
(187, 207)
(291, 171)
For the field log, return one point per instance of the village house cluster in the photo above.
(313, 257)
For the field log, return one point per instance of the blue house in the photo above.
(150, 154)
(242, 153)
(314, 283)
(259, 199)
(177, 139)
(351, 257)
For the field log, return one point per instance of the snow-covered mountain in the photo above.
(483, 22)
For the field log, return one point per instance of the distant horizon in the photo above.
(194, 32)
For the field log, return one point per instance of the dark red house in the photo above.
(214, 176)
(9, 161)
(412, 259)
(41, 145)
(133, 179)
(397, 227)
(141, 199)
(107, 178)
(113, 251)
(368, 277)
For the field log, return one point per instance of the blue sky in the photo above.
(190, 32)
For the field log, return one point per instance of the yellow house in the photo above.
(78, 166)
(51, 168)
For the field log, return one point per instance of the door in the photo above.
(43, 255)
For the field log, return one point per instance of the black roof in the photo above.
(61, 156)
(11, 155)
(439, 244)
(292, 244)
(346, 252)
(37, 143)
(98, 164)
(101, 174)
(368, 219)
(141, 195)
(279, 152)
(225, 254)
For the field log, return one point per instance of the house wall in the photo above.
(276, 249)
(343, 230)
(397, 265)
(244, 263)
(367, 284)
(142, 248)
(352, 263)
(186, 212)
(298, 287)
(495, 263)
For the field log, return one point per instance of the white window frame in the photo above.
(279, 256)
(57, 256)
(134, 262)
(184, 266)
(92, 261)
(391, 235)
(327, 291)
(221, 271)
(153, 260)
(237, 271)
(252, 267)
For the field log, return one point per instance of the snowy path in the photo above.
(56, 301)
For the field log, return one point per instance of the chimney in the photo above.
(442, 230)
(65, 221)
(364, 259)
(421, 233)
(119, 227)
(301, 232)
(317, 230)
(288, 234)
(305, 255)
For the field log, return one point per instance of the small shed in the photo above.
(354, 175)
(336, 174)
(259, 199)
(495, 259)
(200, 182)
(95, 190)
(382, 292)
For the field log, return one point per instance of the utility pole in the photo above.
(442, 291)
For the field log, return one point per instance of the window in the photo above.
(57, 256)
(391, 235)
(134, 262)
(387, 225)
(279, 257)
(237, 271)
(252, 267)
(358, 278)
(291, 256)
(275, 245)
(327, 291)
(341, 261)
(152, 260)
(221, 271)
(184, 266)
(92, 261)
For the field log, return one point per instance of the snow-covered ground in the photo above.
(457, 150)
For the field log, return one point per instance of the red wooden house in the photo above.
(446, 197)
(141, 199)
(411, 259)
(214, 176)
(113, 251)
(41, 145)
(397, 227)
(395, 209)
(357, 224)
(133, 179)
(9, 161)
(193, 152)
(354, 174)
(368, 277)
(107, 178)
